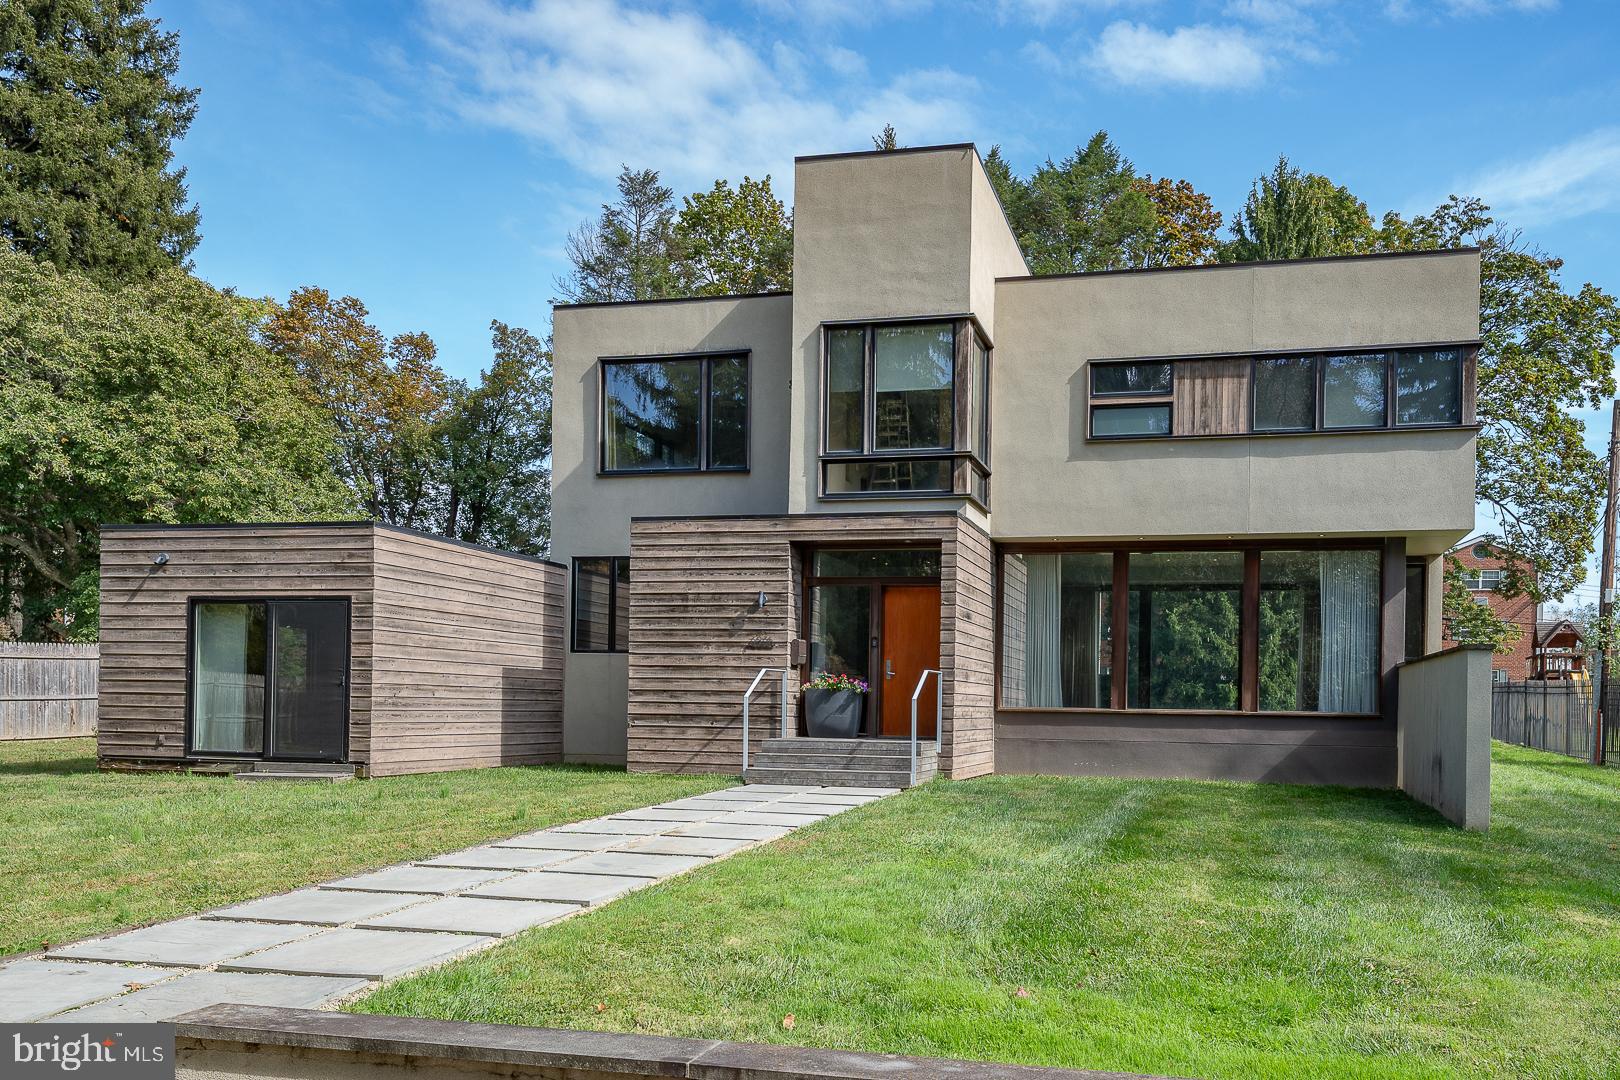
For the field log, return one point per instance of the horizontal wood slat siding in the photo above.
(467, 662)
(142, 692)
(698, 636)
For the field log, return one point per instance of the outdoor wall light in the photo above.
(759, 603)
(161, 559)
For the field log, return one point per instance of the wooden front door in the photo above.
(910, 646)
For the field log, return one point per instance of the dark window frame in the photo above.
(192, 603)
(1248, 621)
(707, 360)
(970, 433)
(1467, 354)
(614, 562)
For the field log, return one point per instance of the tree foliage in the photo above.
(496, 447)
(384, 397)
(149, 402)
(89, 112)
(628, 252)
(733, 240)
(1294, 215)
(1467, 621)
(1091, 211)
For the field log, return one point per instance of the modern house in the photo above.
(1177, 522)
(1168, 522)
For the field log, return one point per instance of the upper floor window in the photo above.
(675, 414)
(906, 409)
(1195, 396)
(1482, 580)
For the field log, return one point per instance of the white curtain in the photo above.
(1043, 661)
(1349, 664)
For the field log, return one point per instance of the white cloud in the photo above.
(845, 62)
(599, 83)
(1046, 11)
(1405, 10)
(841, 11)
(1205, 57)
(1580, 177)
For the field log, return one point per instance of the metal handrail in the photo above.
(939, 716)
(749, 693)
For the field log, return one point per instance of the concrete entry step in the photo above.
(307, 771)
(864, 763)
(854, 778)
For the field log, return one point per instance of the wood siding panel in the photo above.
(1211, 397)
(467, 664)
(142, 691)
(698, 636)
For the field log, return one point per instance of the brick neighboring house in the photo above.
(1546, 649)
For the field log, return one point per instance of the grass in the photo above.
(1192, 929)
(88, 851)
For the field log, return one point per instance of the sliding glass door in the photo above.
(269, 678)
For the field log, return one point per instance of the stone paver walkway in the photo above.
(316, 946)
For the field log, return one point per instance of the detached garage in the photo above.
(330, 646)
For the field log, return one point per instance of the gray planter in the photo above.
(833, 714)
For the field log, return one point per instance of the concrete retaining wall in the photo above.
(1444, 739)
(247, 1042)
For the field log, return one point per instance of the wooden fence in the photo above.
(1555, 715)
(47, 691)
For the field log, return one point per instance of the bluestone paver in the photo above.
(617, 825)
(564, 888)
(490, 857)
(472, 915)
(200, 989)
(725, 830)
(189, 942)
(631, 864)
(318, 907)
(310, 947)
(34, 989)
(877, 791)
(552, 840)
(707, 846)
(671, 813)
(361, 954)
(418, 879)
(769, 817)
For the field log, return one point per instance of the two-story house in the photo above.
(1178, 522)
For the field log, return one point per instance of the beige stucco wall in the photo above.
(1445, 733)
(1050, 482)
(874, 236)
(591, 514)
(994, 250)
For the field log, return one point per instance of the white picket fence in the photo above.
(47, 691)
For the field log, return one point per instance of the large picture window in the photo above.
(1285, 630)
(602, 604)
(675, 414)
(905, 409)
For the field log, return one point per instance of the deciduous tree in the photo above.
(1295, 215)
(89, 113)
(733, 240)
(149, 402)
(496, 445)
(1185, 230)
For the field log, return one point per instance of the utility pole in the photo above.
(1606, 597)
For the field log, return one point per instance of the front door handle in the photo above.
(888, 668)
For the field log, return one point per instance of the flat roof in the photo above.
(402, 530)
(1472, 250)
(669, 300)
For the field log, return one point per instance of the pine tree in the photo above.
(89, 113)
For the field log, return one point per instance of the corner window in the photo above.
(905, 410)
(1417, 606)
(601, 609)
(675, 414)
(1428, 387)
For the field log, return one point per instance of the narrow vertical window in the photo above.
(601, 610)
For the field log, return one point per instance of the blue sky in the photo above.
(430, 157)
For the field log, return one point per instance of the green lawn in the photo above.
(88, 851)
(1193, 929)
